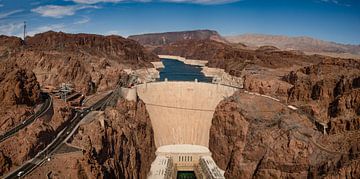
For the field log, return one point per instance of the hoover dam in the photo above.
(181, 113)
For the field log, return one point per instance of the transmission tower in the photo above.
(24, 30)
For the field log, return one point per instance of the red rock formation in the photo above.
(90, 62)
(5, 163)
(234, 60)
(18, 86)
(118, 145)
(249, 139)
(158, 39)
(19, 93)
(9, 45)
(36, 136)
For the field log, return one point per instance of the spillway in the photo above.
(181, 112)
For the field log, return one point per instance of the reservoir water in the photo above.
(175, 70)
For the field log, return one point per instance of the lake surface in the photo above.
(175, 70)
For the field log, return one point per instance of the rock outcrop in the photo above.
(90, 62)
(37, 136)
(330, 91)
(9, 45)
(19, 93)
(234, 60)
(250, 139)
(119, 144)
(306, 44)
(18, 87)
(159, 39)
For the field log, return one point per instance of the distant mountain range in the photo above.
(158, 39)
(305, 44)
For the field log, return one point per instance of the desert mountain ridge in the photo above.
(301, 43)
(305, 44)
(158, 39)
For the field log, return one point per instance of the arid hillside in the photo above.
(232, 59)
(91, 62)
(123, 144)
(305, 44)
(159, 39)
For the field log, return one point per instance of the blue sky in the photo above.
(332, 20)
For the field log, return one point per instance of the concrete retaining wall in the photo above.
(128, 93)
(181, 112)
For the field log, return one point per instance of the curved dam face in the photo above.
(181, 112)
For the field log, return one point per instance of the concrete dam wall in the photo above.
(181, 112)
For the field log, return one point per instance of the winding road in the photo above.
(61, 138)
(44, 108)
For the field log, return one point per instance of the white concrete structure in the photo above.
(209, 169)
(181, 112)
(128, 93)
(158, 64)
(162, 168)
(184, 157)
(144, 74)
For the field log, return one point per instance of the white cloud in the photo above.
(112, 32)
(59, 11)
(337, 2)
(6, 14)
(95, 1)
(173, 1)
(53, 27)
(11, 29)
(208, 2)
(82, 21)
(1, 5)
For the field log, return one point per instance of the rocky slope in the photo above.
(35, 137)
(329, 91)
(234, 60)
(306, 44)
(159, 39)
(90, 62)
(253, 137)
(93, 63)
(116, 143)
(19, 93)
(9, 45)
(18, 87)
(124, 146)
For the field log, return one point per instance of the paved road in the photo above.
(44, 108)
(62, 137)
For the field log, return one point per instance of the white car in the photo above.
(20, 173)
